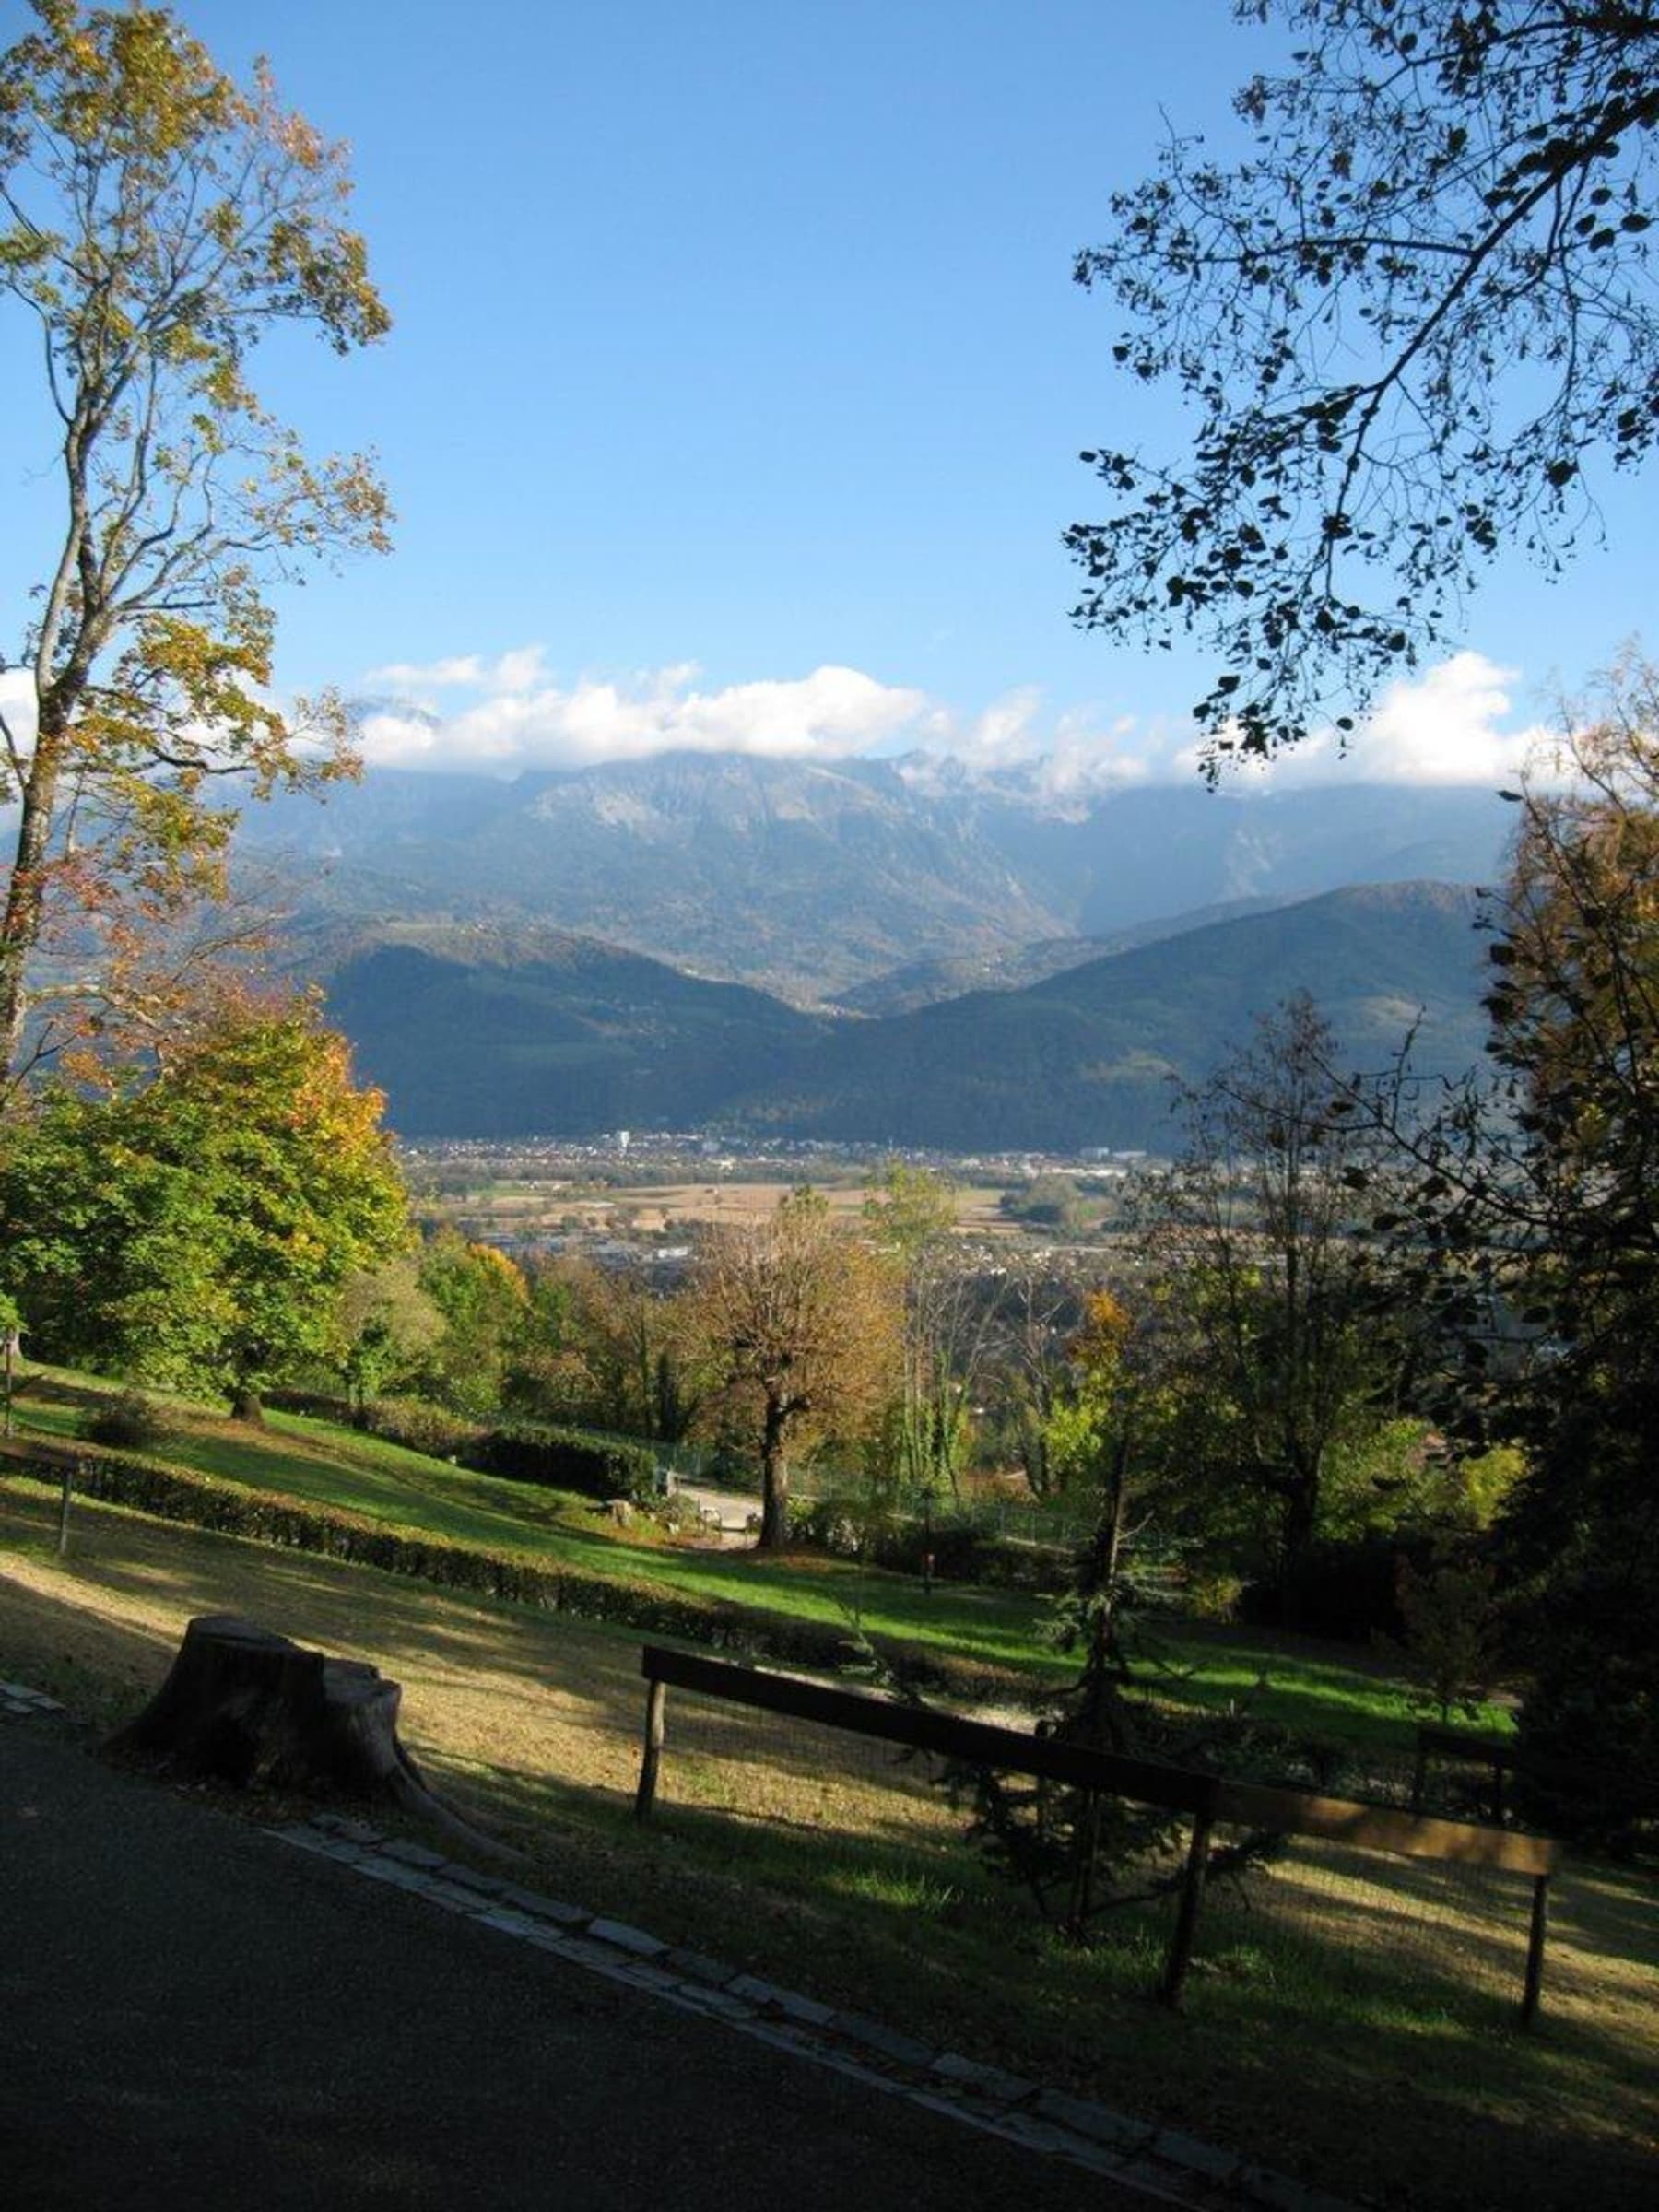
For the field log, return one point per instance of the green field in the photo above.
(1332, 1692)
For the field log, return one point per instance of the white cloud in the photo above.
(464, 668)
(518, 718)
(502, 712)
(1447, 726)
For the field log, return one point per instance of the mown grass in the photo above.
(1330, 1692)
(1354, 2025)
(327, 1464)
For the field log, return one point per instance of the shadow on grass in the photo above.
(1331, 2053)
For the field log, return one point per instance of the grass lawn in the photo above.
(322, 1462)
(1349, 2021)
(1330, 1691)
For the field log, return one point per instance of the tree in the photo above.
(911, 1212)
(1038, 1307)
(1089, 1430)
(1269, 1330)
(1411, 322)
(1527, 1230)
(198, 1228)
(798, 1321)
(484, 1303)
(1048, 1201)
(602, 1346)
(387, 1323)
(156, 221)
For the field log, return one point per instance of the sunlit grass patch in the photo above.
(1347, 2017)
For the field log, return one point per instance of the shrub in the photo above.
(847, 1526)
(131, 1422)
(419, 1426)
(565, 1459)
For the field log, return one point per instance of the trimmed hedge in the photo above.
(525, 1578)
(963, 1550)
(566, 1459)
(418, 1425)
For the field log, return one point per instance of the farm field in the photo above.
(526, 1207)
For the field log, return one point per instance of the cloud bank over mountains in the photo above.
(1455, 725)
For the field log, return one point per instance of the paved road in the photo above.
(192, 2014)
(731, 1514)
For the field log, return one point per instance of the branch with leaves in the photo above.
(1410, 323)
(156, 220)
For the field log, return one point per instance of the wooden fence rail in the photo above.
(1502, 1756)
(1206, 1798)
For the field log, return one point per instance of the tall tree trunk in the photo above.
(26, 893)
(774, 1481)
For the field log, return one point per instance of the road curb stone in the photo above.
(1159, 2161)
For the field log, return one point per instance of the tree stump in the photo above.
(243, 1705)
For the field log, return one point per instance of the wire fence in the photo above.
(1383, 1913)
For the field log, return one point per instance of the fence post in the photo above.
(1186, 1919)
(68, 1492)
(655, 1698)
(1535, 1949)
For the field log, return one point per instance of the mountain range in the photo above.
(473, 1036)
(878, 951)
(815, 881)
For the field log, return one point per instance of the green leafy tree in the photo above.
(1272, 1339)
(1410, 322)
(1450, 1647)
(198, 1228)
(156, 221)
(388, 1324)
(1048, 1201)
(484, 1303)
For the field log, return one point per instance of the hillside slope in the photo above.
(480, 1034)
(1085, 1057)
(567, 1039)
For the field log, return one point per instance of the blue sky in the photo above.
(737, 380)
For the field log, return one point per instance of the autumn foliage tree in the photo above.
(1525, 1213)
(797, 1324)
(156, 221)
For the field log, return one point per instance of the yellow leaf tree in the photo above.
(798, 1322)
(156, 220)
